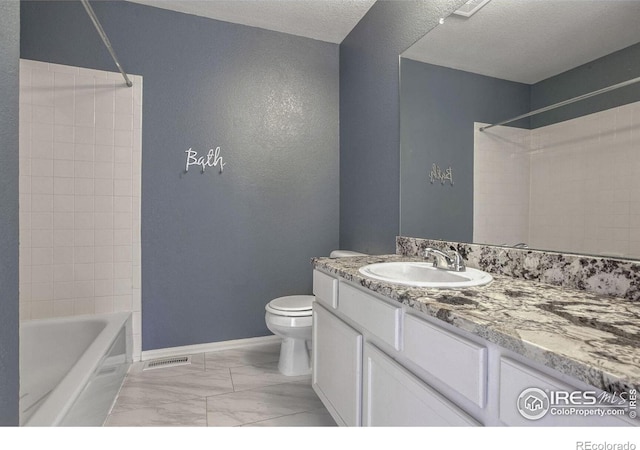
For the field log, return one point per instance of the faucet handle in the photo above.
(458, 262)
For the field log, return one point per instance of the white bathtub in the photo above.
(71, 368)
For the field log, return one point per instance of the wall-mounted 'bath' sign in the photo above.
(212, 159)
(441, 175)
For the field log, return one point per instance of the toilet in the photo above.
(290, 318)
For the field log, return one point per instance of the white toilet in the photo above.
(290, 318)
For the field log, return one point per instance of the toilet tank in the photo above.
(341, 253)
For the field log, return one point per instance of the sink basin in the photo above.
(423, 274)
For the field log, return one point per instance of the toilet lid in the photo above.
(292, 303)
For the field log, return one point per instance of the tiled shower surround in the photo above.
(572, 186)
(80, 163)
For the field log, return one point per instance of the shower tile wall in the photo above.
(501, 186)
(80, 163)
(584, 182)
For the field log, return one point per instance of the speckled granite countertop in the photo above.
(593, 338)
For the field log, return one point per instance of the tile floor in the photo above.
(228, 388)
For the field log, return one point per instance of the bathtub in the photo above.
(71, 368)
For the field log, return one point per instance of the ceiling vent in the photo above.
(471, 7)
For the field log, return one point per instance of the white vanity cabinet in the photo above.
(456, 361)
(337, 362)
(393, 396)
(516, 378)
(361, 384)
(379, 363)
(337, 356)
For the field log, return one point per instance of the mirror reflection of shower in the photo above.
(532, 178)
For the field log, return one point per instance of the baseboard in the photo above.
(208, 347)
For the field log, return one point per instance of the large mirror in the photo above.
(567, 179)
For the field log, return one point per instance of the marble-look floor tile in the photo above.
(226, 388)
(138, 392)
(317, 418)
(246, 356)
(264, 403)
(190, 413)
(251, 377)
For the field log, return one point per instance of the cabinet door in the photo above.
(395, 397)
(337, 366)
(516, 380)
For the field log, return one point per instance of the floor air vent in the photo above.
(167, 362)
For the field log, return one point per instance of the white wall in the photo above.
(501, 185)
(80, 164)
(584, 184)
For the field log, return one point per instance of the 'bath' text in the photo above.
(212, 159)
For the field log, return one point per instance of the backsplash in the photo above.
(605, 276)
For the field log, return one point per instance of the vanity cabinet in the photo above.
(337, 362)
(393, 396)
(374, 316)
(360, 384)
(454, 360)
(516, 378)
(379, 363)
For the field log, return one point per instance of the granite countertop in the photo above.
(593, 338)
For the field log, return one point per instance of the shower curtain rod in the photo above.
(566, 102)
(105, 39)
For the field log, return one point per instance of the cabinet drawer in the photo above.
(456, 361)
(376, 316)
(395, 397)
(515, 378)
(325, 288)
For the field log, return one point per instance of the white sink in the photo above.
(423, 274)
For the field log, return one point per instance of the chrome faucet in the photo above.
(452, 260)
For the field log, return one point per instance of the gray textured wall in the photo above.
(9, 318)
(615, 68)
(369, 119)
(216, 247)
(438, 108)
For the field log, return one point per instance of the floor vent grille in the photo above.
(167, 362)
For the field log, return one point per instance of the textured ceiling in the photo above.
(529, 41)
(324, 20)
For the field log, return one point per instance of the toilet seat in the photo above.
(291, 306)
